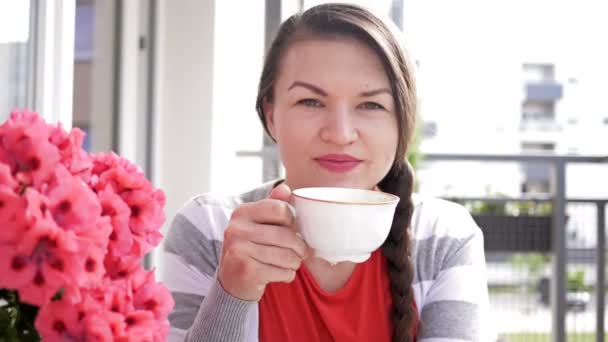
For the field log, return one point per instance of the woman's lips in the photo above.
(339, 163)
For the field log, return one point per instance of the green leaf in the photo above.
(29, 313)
(17, 320)
(5, 320)
(28, 336)
(7, 324)
(7, 296)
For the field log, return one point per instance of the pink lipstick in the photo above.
(339, 163)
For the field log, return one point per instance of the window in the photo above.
(83, 68)
(537, 176)
(16, 47)
(538, 111)
(539, 72)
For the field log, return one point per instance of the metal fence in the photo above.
(519, 256)
(545, 255)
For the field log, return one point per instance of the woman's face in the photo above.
(333, 114)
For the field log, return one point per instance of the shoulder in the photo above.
(435, 217)
(444, 236)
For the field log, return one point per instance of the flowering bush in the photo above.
(74, 228)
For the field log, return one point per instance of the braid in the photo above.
(396, 250)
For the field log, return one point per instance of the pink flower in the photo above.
(141, 326)
(75, 159)
(146, 217)
(153, 297)
(117, 172)
(60, 321)
(99, 323)
(121, 267)
(45, 258)
(37, 206)
(146, 209)
(41, 264)
(12, 214)
(87, 320)
(32, 164)
(6, 179)
(73, 230)
(24, 147)
(73, 205)
(107, 305)
(90, 258)
(106, 161)
(23, 125)
(103, 326)
(117, 210)
(15, 267)
(145, 243)
(36, 165)
(118, 296)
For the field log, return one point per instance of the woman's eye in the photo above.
(371, 105)
(310, 102)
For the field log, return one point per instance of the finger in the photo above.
(275, 256)
(269, 274)
(281, 192)
(267, 211)
(278, 236)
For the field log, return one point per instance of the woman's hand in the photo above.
(261, 246)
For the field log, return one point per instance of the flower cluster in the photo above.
(74, 228)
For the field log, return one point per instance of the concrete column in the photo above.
(183, 99)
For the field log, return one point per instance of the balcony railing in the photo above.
(556, 241)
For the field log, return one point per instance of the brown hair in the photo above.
(330, 20)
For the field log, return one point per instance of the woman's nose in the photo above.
(339, 127)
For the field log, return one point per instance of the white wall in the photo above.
(238, 57)
(209, 62)
(184, 100)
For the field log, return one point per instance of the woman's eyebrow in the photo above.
(375, 92)
(322, 92)
(308, 86)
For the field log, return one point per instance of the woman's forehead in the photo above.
(332, 59)
(331, 49)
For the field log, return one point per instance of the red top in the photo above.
(303, 311)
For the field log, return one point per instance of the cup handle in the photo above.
(293, 212)
(292, 209)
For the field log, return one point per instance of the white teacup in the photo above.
(343, 224)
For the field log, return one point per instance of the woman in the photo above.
(337, 95)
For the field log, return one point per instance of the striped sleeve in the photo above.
(450, 278)
(203, 310)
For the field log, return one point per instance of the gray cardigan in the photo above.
(449, 284)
